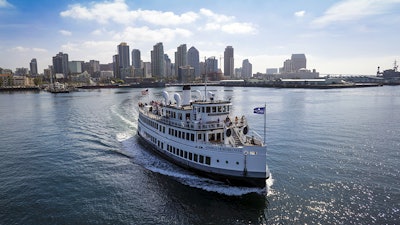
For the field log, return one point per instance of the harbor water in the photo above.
(74, 158)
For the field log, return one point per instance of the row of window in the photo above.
(188, 155)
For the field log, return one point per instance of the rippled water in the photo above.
(74, 158)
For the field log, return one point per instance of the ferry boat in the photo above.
(202, 136)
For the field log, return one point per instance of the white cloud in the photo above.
(351, 10)
(145, 34)
(225, 23)
(239, 28)
(300, 13)
(22, 49)
(5, 4)
(65, 32)
(118, 12)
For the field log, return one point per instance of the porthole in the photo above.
(226, 162)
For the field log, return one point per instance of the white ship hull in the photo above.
(202, 136)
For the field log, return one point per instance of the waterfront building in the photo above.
(299, 61)
(228, 61)
(75, 67)
(94, 68)
(168, 67)
(247, 69)
(124, 61)
(146, 69)
(116, 71)
(194, 60)
(157, 61)
(272, 70)
(180, 57)
(33, 67)
(123, 54)
(21, 71)
(60, 64)
(136, 61)
(185, 74)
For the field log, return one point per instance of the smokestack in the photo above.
(187, 95)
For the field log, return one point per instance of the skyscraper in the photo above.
(228, 61)
(298, 61)
(194, 60)
(123, 54)
(157, 61)
(136, 61)
(33, 67)
(60, 64)
(116, 66)
(247, 68)
(180, 57)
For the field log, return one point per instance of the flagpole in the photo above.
(265, 121)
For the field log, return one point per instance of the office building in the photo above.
(33, 67)
(299, 61)
(60, 64)
(228, 61)
(247, 69)
(180, 57)
(136, 61)
(194, 60)
(157, 61)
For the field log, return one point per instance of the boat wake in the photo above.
(161, 166)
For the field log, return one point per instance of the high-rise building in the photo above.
(123, 54)
(75, 67)
(157, 61)
(136, 61)
(33, 67)
(168, 66)
(194, 60)
(212, 65)
(228, 61)
(117, 73)
(247, 69)
(180, 57)
(60, 64)
(299, 61)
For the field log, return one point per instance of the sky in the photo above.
(337, 37)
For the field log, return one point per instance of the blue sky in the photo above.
(338, 37)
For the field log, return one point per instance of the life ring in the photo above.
(228, 132)
(245, 130)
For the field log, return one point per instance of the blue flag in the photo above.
(259, 110)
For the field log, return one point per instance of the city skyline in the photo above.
(338, 37)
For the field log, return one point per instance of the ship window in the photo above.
(217, 160)
(181, 153)
(190, 156)
(187, 136)
(202, 109)
(207, 109)
(179, 134)
(198, 136)
(237, 163)
(214, 109)
(201, 159)
(195, 157)
(185, 155)
(226, 162)
(192, 137)
(208, 160)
